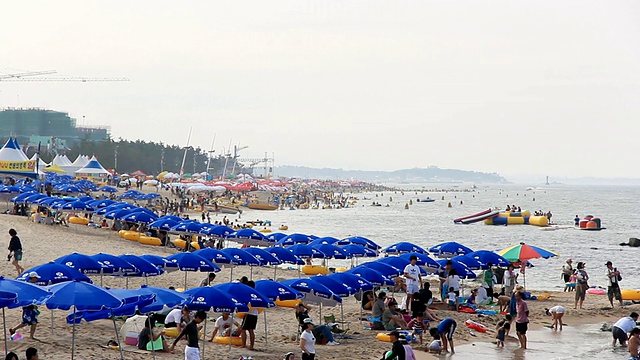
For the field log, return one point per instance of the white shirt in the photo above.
(481, 298)
(309, 341)
(253, 311)
(174, 315)
(414, 272)
(435, 345)
(454, 282)
(626, 324)
(613, 279)
(452, 296)
(557, 309)
(222, 324)
(508, 278)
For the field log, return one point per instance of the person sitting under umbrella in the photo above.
(392, 319)
(148, 338)
(223, 326)
(320, 331)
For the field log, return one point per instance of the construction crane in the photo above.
(267, 163)
(33, 76)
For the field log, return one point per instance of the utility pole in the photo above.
(115, 159)
(162, 160)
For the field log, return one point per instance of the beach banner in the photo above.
(17, 166)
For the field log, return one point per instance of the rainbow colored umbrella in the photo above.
(522, 252)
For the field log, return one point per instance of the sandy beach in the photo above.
(44, 243)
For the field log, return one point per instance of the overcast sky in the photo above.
(540, 87)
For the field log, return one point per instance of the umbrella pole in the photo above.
(4, 325)
(361, 295)
(265, 326)
(231, 276)
(52, 321)
(115, 328)
(185, 280)
(73, 334)
(126, 283)
(204, 335)
(231, 328)
(341, 318)
(250, 272)
(275, 271)
(320, 319)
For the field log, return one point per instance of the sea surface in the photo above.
(427, 224)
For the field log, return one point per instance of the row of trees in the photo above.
(149, 157)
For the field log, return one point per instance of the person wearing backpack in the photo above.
(613, 290)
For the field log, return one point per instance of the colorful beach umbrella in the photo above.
(522, 252)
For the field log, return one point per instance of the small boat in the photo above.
(427, 200)
(255, 206)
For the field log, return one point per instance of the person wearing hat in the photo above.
(308, 341)
(323, 331)
(397, 348)
(582, 284)
(613, 290)
(567, 271)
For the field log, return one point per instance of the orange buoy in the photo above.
(592, 225)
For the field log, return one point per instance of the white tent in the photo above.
(81, 161)
(93, 169)
(17, 161)
(61, 160)
(11, 151)
(41, 163)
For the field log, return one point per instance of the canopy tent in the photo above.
(55, 168)
(14, 161)
(61, 160)
(41, 163)
(93, 169)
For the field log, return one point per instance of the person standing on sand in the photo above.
(613, 290)
(509, 279)
(414, 280)
(522, 320)
(192, 350)
(567, 271)
(15, 250)
(582, 284)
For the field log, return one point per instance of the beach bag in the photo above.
(377, 325)
(619, 278)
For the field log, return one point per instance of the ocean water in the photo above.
(427, 224)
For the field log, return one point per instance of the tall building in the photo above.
(54, 129)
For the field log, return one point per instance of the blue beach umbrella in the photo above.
(27, 293)
(336, 287)
(294, 239)
(187, 227)
(141, 217)
(359, 251)
(404, 247)
(85, 199)
(471, 262)
(487, 256)
(108, 189)
(160, 262)
(284, 255)
(324, 240)
(53, 273)
(332, 251)
(384, 269)
(462, 269)
(449, 249)
(240, 257)
(315, 292)
(118, 213)
(99, 204)
(306, 251)
(113, 264)
(276, 291)
(423, 260)
(354, 281)
(191, 262)
(143, 267)
(265, 257)
(81, 262)
(371, 276)
(245, 294)
(163, 224)
(218, 231)
(163, 297)
(82, 296)
(213, 255)
(75, 206)
(6, 299)
(399, 263)
(359, 240)
(276, 236)
(250, 237)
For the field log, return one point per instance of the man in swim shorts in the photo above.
(634, 342)
(522, 319)
(446, 328)
(622, 327)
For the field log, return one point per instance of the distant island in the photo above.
(430, 174)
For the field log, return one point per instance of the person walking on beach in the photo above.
(192, 350)
(623, 326)
(613, 290)
(308, 342)
(582, 284)
(567, 271)
(15, 250)
(412, 274)
(522, 319)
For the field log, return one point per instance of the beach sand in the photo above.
(44, 243)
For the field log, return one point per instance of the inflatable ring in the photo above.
(630, 294)
(287, 303)
(195, 245)
(240, 315)
(132, 235)
(383, 337)
(315, 270)
(148, 240)
(121, 233)
(171, 332)
(265, 230)
(78, 220)
(180, 243)
(341, 269)
(475, 326)
(235, 340)
(596, 291)
(283, 227)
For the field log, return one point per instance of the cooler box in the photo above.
(131, 338)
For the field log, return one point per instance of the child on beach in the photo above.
(452, 299)
(418, 326)
(435, 346)
(502, 333)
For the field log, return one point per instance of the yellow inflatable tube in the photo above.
(315, 270)
(132, 235)
(630, 294)
(171, 332)
(539, 221)
(383, 337)
(515, 220)
(283, 227)
(148, 240)
(265, 230)
(288, 303)
(180, 243)
(78, 220)
(195, 245)
(235, 340)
